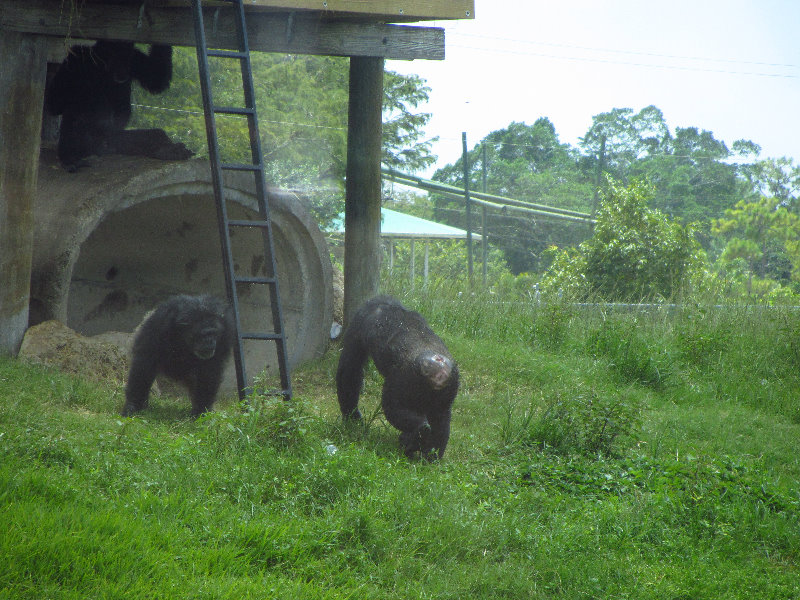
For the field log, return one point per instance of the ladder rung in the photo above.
(260, 336)
(243, 223)
(234, 110)
(226, 53)
(240, 167)
(256, 166)
(261, 280)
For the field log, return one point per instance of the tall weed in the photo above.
(632, 351)
(578, 419)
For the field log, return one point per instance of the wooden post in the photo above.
(362, 209)
(22, 80)
(601, 160)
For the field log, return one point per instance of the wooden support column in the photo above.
(362, 211)
(22, 80)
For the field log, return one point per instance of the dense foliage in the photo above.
(694, 179)
(635, 253)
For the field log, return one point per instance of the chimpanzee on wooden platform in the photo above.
(92, 92)
(420, 378)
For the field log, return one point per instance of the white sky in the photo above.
(728, 66)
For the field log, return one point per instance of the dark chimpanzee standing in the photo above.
(92, 92)
(187, 338)
(420, 378)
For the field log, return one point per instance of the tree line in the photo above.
(733, 214)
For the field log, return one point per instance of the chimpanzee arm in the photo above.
(154, 70)
(440, 435)
(350, 376)
(140, 379)
(414, 427)
(68, 84)
(205, 385)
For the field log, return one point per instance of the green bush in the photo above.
(635, 252)
(580, 420)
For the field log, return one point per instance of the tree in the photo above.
(623, 137)
(691, 171)
(764, 234)
(524, 162)
(776, 177)
(636, 252)
(403, 146)
(302, 106)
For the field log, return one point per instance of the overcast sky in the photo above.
(728, 66)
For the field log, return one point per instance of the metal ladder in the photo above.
(256, 167)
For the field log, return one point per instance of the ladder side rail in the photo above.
(261, 194)
(217, 183)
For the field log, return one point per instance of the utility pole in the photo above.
(485, 240)
(601, 163)
(465, 160)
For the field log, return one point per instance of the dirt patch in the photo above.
(101, 358)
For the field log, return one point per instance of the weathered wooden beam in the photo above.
(386, 10)
(362, 209)
(268, 31)
(22, 80)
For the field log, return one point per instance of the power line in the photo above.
(626, 63)
(519, 52)
(614, 51)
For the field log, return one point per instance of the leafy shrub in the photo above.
(703, 338)
(566, 275)
(635, 252)
(586, 421)
(551, 323)
(264, 420)
(580, 420)
(285, 423)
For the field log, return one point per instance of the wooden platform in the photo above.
(387, 11)
(325, 27)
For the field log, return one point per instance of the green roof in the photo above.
(400, 225)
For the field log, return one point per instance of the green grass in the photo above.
(593, 455)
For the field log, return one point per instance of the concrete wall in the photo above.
(118, 237)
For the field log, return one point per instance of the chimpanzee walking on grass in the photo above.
(420, 378)
(188, 339)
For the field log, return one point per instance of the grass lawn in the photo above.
(593, 454)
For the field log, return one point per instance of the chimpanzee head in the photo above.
(115, 57)
(435, 368)
(203, 340)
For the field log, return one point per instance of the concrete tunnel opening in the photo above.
(141, 234)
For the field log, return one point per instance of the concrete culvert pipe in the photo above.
(115, 239)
